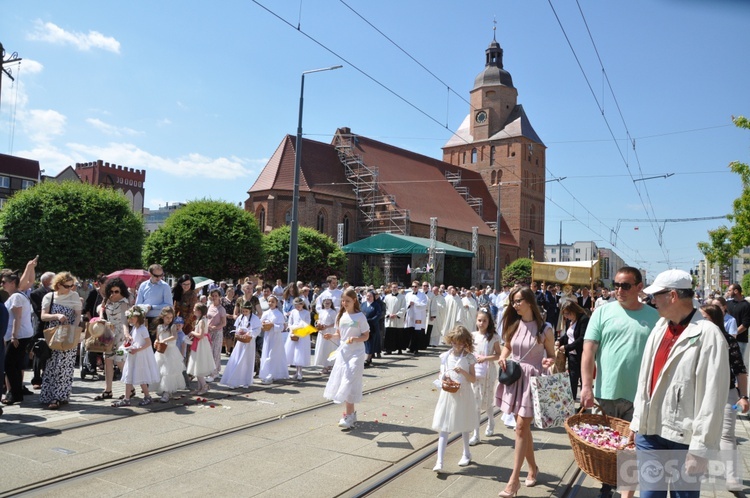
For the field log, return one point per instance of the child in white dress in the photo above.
(298, 350)
(273, 364)
(325, 345)
(240, 368)
(170, 362)
(140, 366)
(456, 412)
(345, 383)
(201, 362)
(488, 349)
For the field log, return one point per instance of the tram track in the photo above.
(49, 484)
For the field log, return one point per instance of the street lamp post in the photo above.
(291, 275)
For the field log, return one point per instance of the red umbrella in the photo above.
(131, 277)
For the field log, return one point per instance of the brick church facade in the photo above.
(356, 187)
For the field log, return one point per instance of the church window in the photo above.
(345, 221)
(493, 178)
(532, 218)
(482, 258)
(473, 155)
(321, 226)
(490, 93)
(288, 217)
(464, 158)
(492, 155)
(262, 218)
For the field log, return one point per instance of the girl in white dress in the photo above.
(201, 362)
(240, 368)
(345, 383)
(456, 412)
(325, 345)
(273, 364)
(488, 349)
(140, 366)
(298, 351)
(170, 362)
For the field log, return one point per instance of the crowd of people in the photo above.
(646, 355)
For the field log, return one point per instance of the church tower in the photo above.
(497, 140)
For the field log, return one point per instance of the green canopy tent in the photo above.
(401, 248)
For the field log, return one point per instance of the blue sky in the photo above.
(200, 96)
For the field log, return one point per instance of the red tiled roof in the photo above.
(320, 170)
(418, 182)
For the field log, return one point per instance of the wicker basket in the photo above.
(599, 463)
(244, 338)
(451, 385)
(266, 326)
(160, 347)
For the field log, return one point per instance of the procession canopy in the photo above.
(568, 272)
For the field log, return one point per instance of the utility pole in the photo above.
(3, 61)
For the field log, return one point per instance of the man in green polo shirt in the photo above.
(615, 340)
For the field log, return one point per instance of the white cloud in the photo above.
(49, 32)
(42, 125)
(190, 165)
(109, 129)
(164, 122)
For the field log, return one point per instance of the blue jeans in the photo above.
(644, 446)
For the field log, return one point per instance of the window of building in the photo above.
(2, 202)
(473, 155)
(262, 218)
(492, 155)
(321, 226)
(288, 217)
(493, 178)
(532, 218)
(464, 158)
(554, 260)
(345, 221)
(27, 184)
(4, 182)
(578, 250)
(566, 251)
(578, 259)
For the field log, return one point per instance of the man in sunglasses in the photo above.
(154, 294)
(614, 342)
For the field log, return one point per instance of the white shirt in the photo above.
(25, 330)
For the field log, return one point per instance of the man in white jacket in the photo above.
(682, 388)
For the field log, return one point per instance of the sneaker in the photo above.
(465, 460)
(209, 378)
(734, 486)
(438, 467)
(347, 421)
(299, 376)
(164, 398)
(473, 441)
(145, 401)
(266, 381)
(489, 432)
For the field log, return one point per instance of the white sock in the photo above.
(442, 443)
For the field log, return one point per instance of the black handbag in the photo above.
(511, 374)
(512, 371)
(41, 350)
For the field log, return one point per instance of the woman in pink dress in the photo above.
(531, 342)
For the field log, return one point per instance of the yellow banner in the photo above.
(573, 272)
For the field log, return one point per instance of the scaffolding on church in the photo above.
(378, 212)
(455, 180)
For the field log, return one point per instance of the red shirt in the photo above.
(670, 337)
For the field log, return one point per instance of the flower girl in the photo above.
(241, 365)
(298, 348)
(201, 362)
(140, 365)
(170, 362)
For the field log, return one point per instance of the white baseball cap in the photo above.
(670, 279)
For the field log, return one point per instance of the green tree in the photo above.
(746, 283)
(518, 272)
(724, 242)
(73, 227)
(372, 275)
(212, 239)
(317, 255)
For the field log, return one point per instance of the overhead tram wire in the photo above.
(607, 123)
(450, 90)
(359, 70)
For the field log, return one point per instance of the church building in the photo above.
(356, 187)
